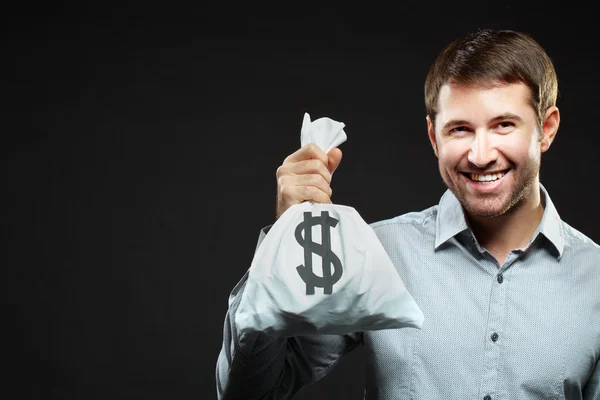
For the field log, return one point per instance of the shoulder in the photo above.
(578, 241)
(581, 253)
(414, 219)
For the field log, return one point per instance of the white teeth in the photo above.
(487, 177)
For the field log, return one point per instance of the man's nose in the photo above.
(482, 152)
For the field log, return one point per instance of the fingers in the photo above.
(334, 158)
(310, 151)
(306, 180)
(304, 167)
(288, 196)
(305, 175)
(291, 195)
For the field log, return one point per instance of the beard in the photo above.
(493, 205)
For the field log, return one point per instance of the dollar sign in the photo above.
(324, 250)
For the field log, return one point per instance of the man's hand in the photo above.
(305, 175)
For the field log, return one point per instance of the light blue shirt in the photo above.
(527, 329)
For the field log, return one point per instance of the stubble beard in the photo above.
(495, 205)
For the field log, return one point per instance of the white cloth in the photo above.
(322, 269)
(324, 132)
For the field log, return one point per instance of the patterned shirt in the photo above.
(527, 329)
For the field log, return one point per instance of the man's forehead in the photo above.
(459, 101)
(457, 88)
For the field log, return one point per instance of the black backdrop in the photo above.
(139, 151)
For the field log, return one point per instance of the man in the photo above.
(510, 292)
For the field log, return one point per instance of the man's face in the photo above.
(488, 145)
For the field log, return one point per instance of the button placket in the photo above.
(499, 277)
(495, 324)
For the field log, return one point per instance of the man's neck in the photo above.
(513, 230)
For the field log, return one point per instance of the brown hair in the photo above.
(489, 57)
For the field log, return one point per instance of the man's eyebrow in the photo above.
(502, 117)
(506, 116)
(454, 123)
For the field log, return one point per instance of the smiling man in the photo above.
(509, 291)
(489, 142)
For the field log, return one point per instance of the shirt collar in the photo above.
(550, 225)
(451, 221)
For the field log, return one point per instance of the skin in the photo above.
(482, 130)
(488, 139)
(305, 175)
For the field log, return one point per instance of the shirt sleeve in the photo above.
(592, 388)
(256, 366)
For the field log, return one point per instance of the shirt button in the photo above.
(494, 336)
(487, 397)
(500, 278)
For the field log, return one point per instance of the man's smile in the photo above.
(487, 177)
(487, 182)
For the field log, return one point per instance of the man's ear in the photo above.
(431, 134)
(550, 125)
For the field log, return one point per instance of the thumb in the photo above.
(334, 158)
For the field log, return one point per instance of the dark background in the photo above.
(140, 147)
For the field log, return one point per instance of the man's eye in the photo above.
(505, 124)
(457, 130)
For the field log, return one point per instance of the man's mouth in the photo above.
(487, 177)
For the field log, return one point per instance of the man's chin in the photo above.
(485, 213)
(481, 209)
(484, 206)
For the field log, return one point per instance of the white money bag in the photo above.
(322, 269)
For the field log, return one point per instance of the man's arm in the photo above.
(256, 366)
(592, 388)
